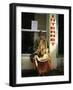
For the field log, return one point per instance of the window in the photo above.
(29, 35)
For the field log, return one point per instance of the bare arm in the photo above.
(42, 59)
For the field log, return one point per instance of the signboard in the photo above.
(53, 37)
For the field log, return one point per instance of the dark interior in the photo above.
(27, 38)
(26, 20)
(27, 42)
(61, 35)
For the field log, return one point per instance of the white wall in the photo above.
(4, 44)
(26, 62)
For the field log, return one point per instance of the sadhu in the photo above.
(41, 58)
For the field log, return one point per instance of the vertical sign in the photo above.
(52, 30)
(53, 37)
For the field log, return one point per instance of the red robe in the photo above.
(43, 67)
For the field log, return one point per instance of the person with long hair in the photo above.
(41, 58)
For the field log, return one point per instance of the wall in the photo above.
(41, 18)
(26, 62)
(4, 45)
